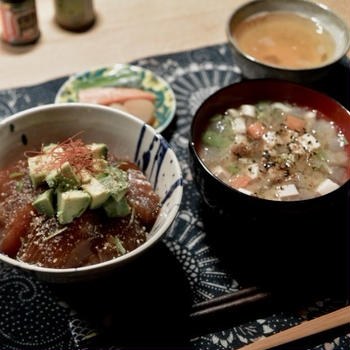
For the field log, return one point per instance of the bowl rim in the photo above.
(130, 255)
(323, 7)
(243, 195)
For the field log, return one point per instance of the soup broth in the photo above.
(285, 39)
(276, 151)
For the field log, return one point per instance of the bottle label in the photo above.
(19, 26)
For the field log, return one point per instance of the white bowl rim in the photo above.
(119, 260)
(75, 75)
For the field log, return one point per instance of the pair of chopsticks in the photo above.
(305, 329)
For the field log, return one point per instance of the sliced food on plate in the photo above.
(132, 89)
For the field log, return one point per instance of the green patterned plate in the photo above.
(124, 75)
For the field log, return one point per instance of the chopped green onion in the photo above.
(322, 155)
(132, 216)
(319, 160)
(214, 139)
(16, 174)
(233, 169)
(19, 185)
(121, 250)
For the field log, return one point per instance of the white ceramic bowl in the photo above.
(125, 135)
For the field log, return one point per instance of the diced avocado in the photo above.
(52, 177)
(99, 150)
(38, 165)
(37, 171)
(99, 165)
(114, 208)
(71, 204)
(99, 194)
(85, 176)
(64, 177)
(44, 203)
(116, 181)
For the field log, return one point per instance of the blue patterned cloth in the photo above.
(36, 315)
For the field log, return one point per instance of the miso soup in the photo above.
(276, 151)
(285, 39)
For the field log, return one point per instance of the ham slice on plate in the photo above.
(109, 95)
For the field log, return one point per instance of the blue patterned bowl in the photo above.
(126, 137)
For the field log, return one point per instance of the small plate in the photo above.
(124, 75)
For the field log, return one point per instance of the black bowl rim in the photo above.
(229, 188)
(252, 59)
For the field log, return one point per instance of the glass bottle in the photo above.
(19, 21)
(74, 15)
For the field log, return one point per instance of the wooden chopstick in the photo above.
(229, 309)
(305, 329)
(229, 302)
(249, 294)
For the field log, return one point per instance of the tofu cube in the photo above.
(248, 111)
(309, 142)
(296, 148)
(238, 125)
(310, 115)
(219, 171)
(270, 138)
(326, 186)
(285, 191)
(233, 112)
(253, 171)
(310, 118)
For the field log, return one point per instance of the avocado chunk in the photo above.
(99, 150)
(114, 208)
(44, 203)
(71, 204)
(64, 177)
(99, 194)
(116, 181)
(37, 165)
(85, 176)
(99, 165)
(37, 171)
